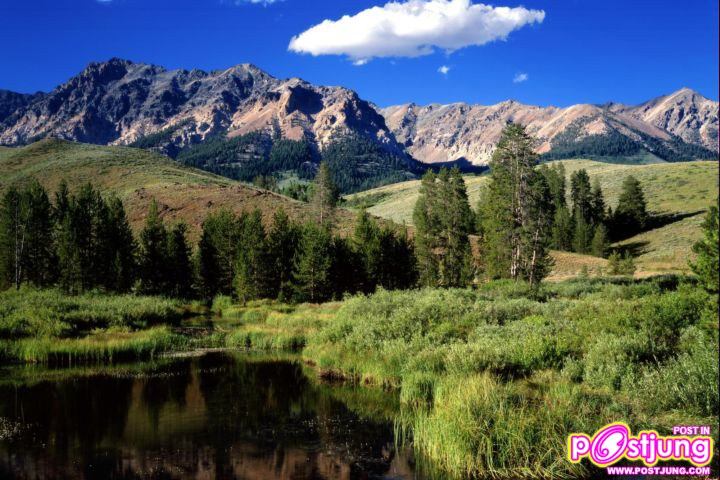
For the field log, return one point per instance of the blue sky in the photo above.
(575, 51)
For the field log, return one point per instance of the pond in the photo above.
(215, 415)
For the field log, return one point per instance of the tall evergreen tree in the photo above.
(346, 268)
(426, 218)
(313, 266)
(404, 272)
(599, 243)
(516, 211)
(555, 177)
(217, 253)
(366, 240)
(536, 232)
(153, 253)
(582, 237)
(563, 230)
(252, 271)
(631, 212)
(325, 195)
(581, 195)
(597, 204)
(83, 228)
(39, 250)
(283, 243)
(13, 235)
(122, 248)
(443, 222)
(706, 265)
(179, 272)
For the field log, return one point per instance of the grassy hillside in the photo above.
(137, 176)
(683, 190)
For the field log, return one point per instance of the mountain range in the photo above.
(120, 102)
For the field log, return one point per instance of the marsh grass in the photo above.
(102, 347)
(48, 326)
(43, 313)
(496, 378)
(268, 325)
(490, 380)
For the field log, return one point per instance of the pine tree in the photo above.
(583, 234)
(252, 272)
(27, 251)
(153, 253)
(217, 253)
(456, 266)
(179, 272)
(443, 222)
(325, 195)
(631, 212)
(627, 264)
(13, 235)
(366, 240)
(516, 211)
(581, 195)
(121, 276)
(282, 241)
(555, 177)
(597, 204)
(313, 265)
(599, 242)
(404, 265)
(39, 258)
(80, 223)
(427, 229)
(563, 230)
(535, 260)
(706, 264)
(346, 268)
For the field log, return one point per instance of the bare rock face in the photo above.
(119, 102)
(442, 133)
(684, 113)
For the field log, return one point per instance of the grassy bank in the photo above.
(268, 325)
(497, 378)
(491, 380)
(48, 326)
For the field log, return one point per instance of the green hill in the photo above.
(683, 190)
(137, 176)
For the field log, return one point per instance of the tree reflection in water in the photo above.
(220, 415)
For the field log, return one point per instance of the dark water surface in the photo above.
(219, 415)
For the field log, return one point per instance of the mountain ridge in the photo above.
(445, 132)
(120, 102)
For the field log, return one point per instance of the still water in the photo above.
(218, 415)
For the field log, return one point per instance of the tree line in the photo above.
(83, 241)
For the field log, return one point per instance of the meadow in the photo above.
(137, 176)
(678, 194)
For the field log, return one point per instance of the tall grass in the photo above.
(99, 347)
(38, 313)
(48, 326)
(499, 376)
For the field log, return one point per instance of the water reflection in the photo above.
(216, 416)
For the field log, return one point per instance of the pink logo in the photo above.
(615, 442)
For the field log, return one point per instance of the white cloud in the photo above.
(412, 29)
(521, 77)
(444, 69)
